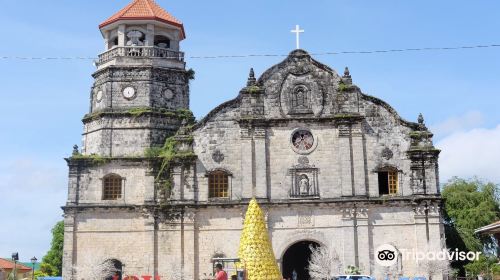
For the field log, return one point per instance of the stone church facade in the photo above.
(160, 194)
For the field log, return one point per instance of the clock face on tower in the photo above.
(98, 96)
(169, 94)
(129, 92)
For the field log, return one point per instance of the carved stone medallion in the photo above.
(218, 156)
(387, 153)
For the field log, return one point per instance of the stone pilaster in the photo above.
(247, 181)
(259, 139)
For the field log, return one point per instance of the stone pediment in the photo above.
(299, 87)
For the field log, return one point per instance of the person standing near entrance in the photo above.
(220, 274)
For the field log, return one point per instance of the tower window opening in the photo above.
(162, 42)
(112, 187)
(135, 38)
(388, 183)
(113, 42)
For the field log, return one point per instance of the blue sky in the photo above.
(43, 101)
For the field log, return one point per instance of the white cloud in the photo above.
(470, 120)
(32, 193)
(475, 152)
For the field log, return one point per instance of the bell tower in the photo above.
(140, 95)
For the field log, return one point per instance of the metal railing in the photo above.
(140, 51)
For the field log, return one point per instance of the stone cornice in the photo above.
(339, 202)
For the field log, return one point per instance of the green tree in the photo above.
(52, 261)
(353, 270)
(469, 204)
(39, 273)
(485, 266)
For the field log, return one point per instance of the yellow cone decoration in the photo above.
(256, 252)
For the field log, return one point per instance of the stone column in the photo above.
(177, 183)
(247, 184)
(421, 242)
(150, 36)
(364, 250)
(344, 160)
(348, 236)
(121, 35)
(188, 249)
(260, 163)
(68, 260)
(106, 40)
(188, 174)
(358, 160)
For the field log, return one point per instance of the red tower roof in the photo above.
(144, 10)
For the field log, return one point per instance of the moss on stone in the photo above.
(168, 154)
(423, 149)
(420, 134)
(344, 87)
(95, 159)
(182, 114)
(253, 89)
(345, 116)
(137, 112)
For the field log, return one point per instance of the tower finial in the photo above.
(75, 150)
(421, 122)
(347, 79)
(347, 74)
(251, 78)
(421, 118)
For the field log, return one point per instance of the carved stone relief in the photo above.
(301, 95)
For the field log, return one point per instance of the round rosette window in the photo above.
(303, 141)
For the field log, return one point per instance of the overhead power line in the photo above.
(277, 55)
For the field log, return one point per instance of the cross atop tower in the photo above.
(297, 32)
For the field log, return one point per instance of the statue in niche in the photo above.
(135, 38)
(300, 102)
(304, 184)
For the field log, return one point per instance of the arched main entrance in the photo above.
(296, 258)
(115, 267)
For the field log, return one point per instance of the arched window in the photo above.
(218, 184)
(135, 38)
(112, 187)
(113, 42)
(162, 42)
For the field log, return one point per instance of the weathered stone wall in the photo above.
(218, 136)
(124, 134)
(356, 136)
(128, 236)
(137, 184)
(119, 126)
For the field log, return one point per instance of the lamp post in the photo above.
(15, 258)
(33, 261)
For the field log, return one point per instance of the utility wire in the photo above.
(276, 55)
